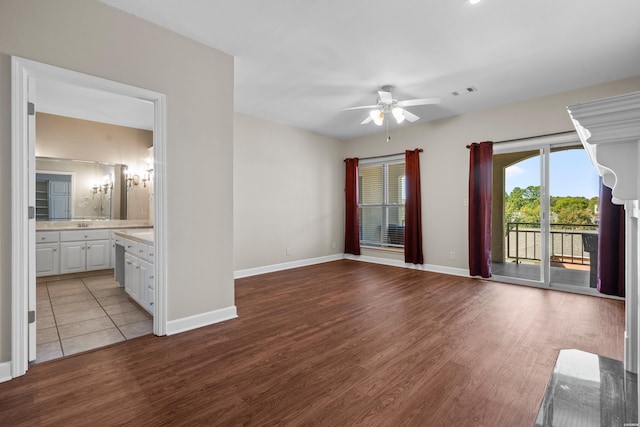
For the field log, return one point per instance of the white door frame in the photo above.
(22, 245)
(544, 145)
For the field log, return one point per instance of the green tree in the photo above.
(523, 205)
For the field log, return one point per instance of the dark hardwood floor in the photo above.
(336, 344)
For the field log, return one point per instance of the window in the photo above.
(381, 198)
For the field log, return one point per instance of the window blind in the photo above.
(381, 199)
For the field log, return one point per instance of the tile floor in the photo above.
(80, 314)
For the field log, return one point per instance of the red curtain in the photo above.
(413, 209)
(611, 234)
(480, 189)
(352, 226)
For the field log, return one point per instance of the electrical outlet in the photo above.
(288, 251)
(452, 255)
(465, 202)
(334, 244)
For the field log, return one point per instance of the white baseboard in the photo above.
(5, 371)
(285, 266)
(397, 263)
(200, 320)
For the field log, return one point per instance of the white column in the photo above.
(610, 132)
(631, 343)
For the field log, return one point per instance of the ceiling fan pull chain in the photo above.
(388, 137)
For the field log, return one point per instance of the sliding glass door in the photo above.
(573, 214)
(544, 227)
(518, 250)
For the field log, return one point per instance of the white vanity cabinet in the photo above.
(132, 282)
(47, 253)
(84, 250)
(139, 280)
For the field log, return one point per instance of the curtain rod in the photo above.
(531, 137)
(386, 155)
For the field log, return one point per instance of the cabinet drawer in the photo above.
(142, 251)
(131, 247)
(138, 249)
(47, 236)
(81, 235)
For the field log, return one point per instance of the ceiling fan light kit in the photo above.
(386, 104)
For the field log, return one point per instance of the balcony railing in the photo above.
(570, 243)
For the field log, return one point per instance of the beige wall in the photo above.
(288, 193)
(444, 162)
(90, 37)
(70, 138)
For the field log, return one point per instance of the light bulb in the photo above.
(377, 116)
(398, 114)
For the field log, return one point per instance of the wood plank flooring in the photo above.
(336, 344)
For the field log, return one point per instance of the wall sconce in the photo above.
(102, 188)
(132, 179)
(147, 177)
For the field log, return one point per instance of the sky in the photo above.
(571, 174)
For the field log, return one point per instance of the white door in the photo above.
(143, 268)
(59, 200)
(132, 276)
(72, 257)
(47, 259)
(98, 254)
(31, 189)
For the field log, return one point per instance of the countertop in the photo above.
(139, 235)
(91, 224)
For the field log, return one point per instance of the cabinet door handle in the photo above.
(55, 250)
(151, 303)
(137, 267)
(128, 246)
(85, 236)
(128, 262)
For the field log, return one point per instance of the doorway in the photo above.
(545, 225)
(26, 74)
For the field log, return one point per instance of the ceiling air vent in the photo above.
(463, 91)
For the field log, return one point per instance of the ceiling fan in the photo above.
(387, 105)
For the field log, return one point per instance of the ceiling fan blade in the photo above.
(367, 120)
(360, 107)
(410, 116)
(421, 101)
(385, 97)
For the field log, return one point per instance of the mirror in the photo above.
(69, 189)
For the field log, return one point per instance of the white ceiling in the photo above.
(299, 62)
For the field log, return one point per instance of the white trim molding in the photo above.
(19, 217)
(238, 274)
(336, 257)
(398, 263)
(25, 73)
(5, 372)
(201, 320)
(610, 132)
